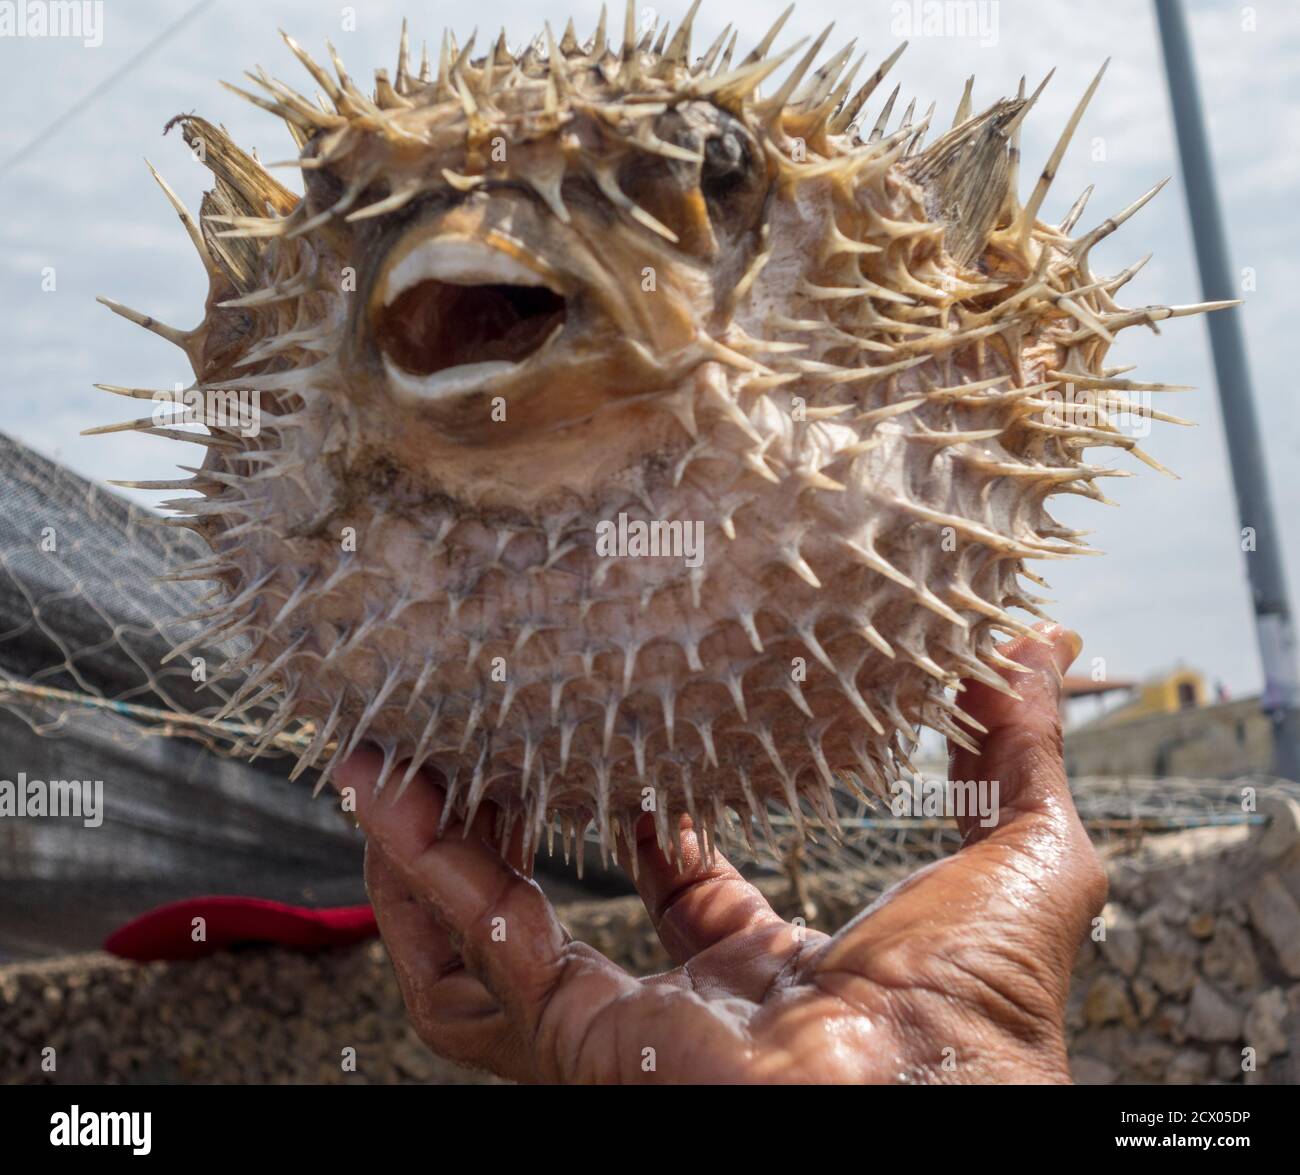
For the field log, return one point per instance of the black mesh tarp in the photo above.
(83, 629)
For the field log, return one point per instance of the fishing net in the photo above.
(86, 625)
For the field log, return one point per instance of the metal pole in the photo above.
(1274, 629)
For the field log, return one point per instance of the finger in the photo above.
(451, 1011)
(430, 971)
(696, 907)
(1022, 749)
(421, 951)
(1006, 913)
(509, 936)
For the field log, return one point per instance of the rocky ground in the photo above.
(1192, 976)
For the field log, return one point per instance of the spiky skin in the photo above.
(850, 374)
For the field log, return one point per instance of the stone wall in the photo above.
(1195, 976)
(1197, 958)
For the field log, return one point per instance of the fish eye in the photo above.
(725, 165)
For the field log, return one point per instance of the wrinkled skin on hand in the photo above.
(967, 961)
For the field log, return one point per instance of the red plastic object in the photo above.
(169, 932)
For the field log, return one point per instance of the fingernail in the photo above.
(1067, 644)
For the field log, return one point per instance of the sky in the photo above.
(80, 216)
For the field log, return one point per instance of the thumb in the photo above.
(1000, 921)
(1023, 749)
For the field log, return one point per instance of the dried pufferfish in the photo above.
(595, 281)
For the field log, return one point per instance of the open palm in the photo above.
(958, 973)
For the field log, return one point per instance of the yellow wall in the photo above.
(1184, 689)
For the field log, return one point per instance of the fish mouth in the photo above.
(457, 314)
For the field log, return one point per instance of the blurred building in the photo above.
(1172, 724)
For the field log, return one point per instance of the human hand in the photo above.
(957, 974)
